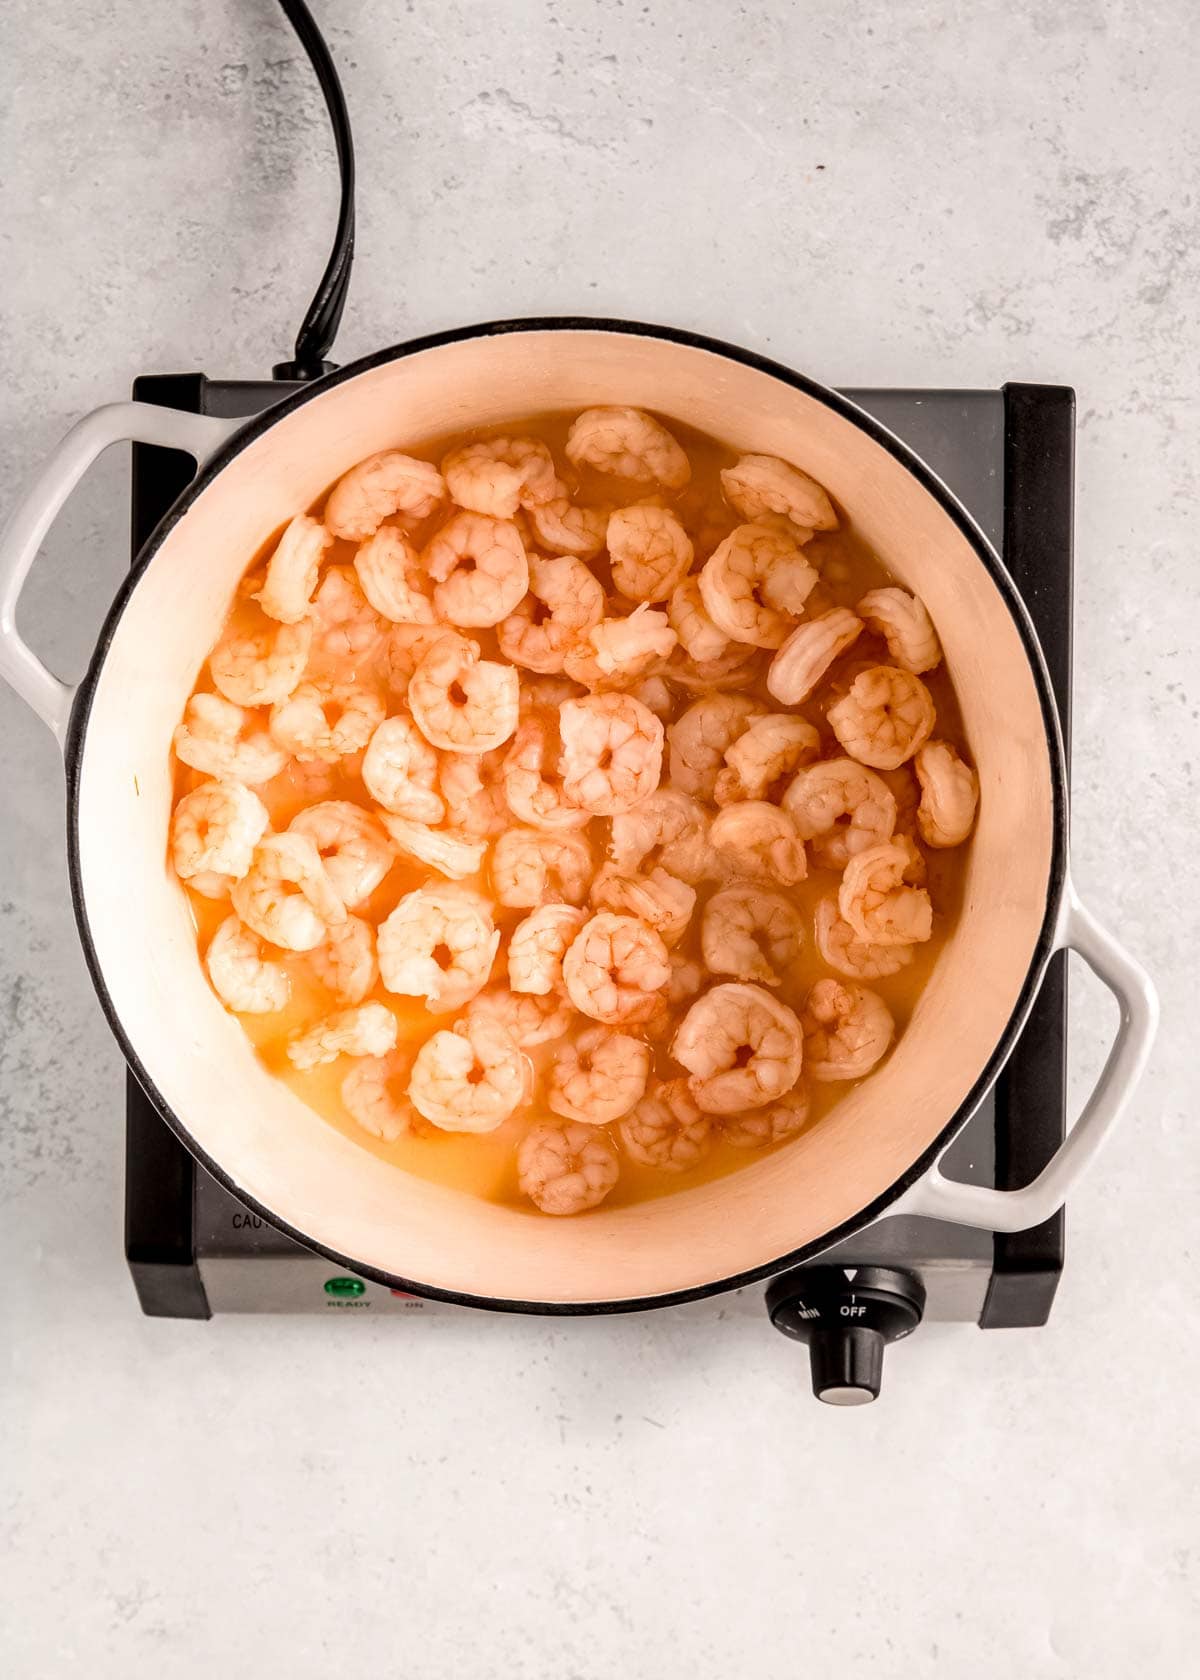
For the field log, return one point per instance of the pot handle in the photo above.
(197, 435)
(936, 1197)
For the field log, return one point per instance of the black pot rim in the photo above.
(1044, 947)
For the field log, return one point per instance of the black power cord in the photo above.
(320, 324)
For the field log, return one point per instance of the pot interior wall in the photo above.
(301, 1170)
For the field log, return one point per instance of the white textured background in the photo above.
(883, 193)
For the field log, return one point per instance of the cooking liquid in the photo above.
(485, 1164)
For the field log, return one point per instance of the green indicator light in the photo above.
(345, 1286)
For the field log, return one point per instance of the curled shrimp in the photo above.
(761, 484)
(949, 795)
(498, 476)
(242, 976)
(699, 637)
(650, 552)
(537, 947)
(375, 1095)
(347, 631)
(286, 895)
(846, 1028)
(383, 484)
(351, 844)
(531, 1018)
(687, 977)
(841, 807)
(532, 866)
(219, 739)
(759, 1127)
(565, 600)
(470, 1079)
(260, 664)
(905, 789)
(655, 694)
(742, 1047)
(808, 653)
(751, 933)
(437, 944)
(214, 830)
(456, 856)
(345, 964)
(619, 650)
(614, 969)
(326, 721)
(905, 625)
(393, 580)
(878, 900)
(293, 569)
(702, 735)
(479, 569)
(407, 645)
(532, 784)
(661, 900)
(627, 443)
(885, 717)
(773, 746)
(612, 752)
(756, 839)
(598, 1076)
(566, 1169)
(369, 1029)
(735, 579)
(471, 787)
(738, 668)
(670, 829)
(666, 1130)
(844, 951)
(566, 529)
(400, 769)
(461, 702)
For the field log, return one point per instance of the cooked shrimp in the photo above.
(737, 668)
(530, 1018)
(345, 963)
(383, 484)
(734, 580)
(659, 899)
(808, 653)
(461, 702)
(242, 977)
(260, 665)
(669, 828)
(655, 694)
(905, 625)
(326, 721)
(532, 866)
(214, 830)
(612, 752)
(756, 839)
(565, 529)
(375, 1095)
(566, 1169)
(772, 747)
(751, 933)
(877, 901)
(471, 787)
(842, 949)
(701, 736)
(743, 1048)
(762, 1126)
(598, 1076)
(369, 1029)
(547, 693)
(479, 569)
(886, 716)
(761, 484)
(619, 650)
(471, 1079)
(627, 443)
(565, 600)
(698, 636)
(614, 969)
(841, 807)
(453, 855)
(213, 739)
(537, 946)
(846, 1030)
(532, 784)
(650, 552)
(400, 768)
(286, 896)
(352, 846)
(497, 477)
(392, 577)
(904, 788)
(666, 1130)
(293, 569)
(407, 645)
(438, 944)
(949, 795)
(347, 631)
(687, 977)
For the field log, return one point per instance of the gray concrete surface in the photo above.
(941, 193)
